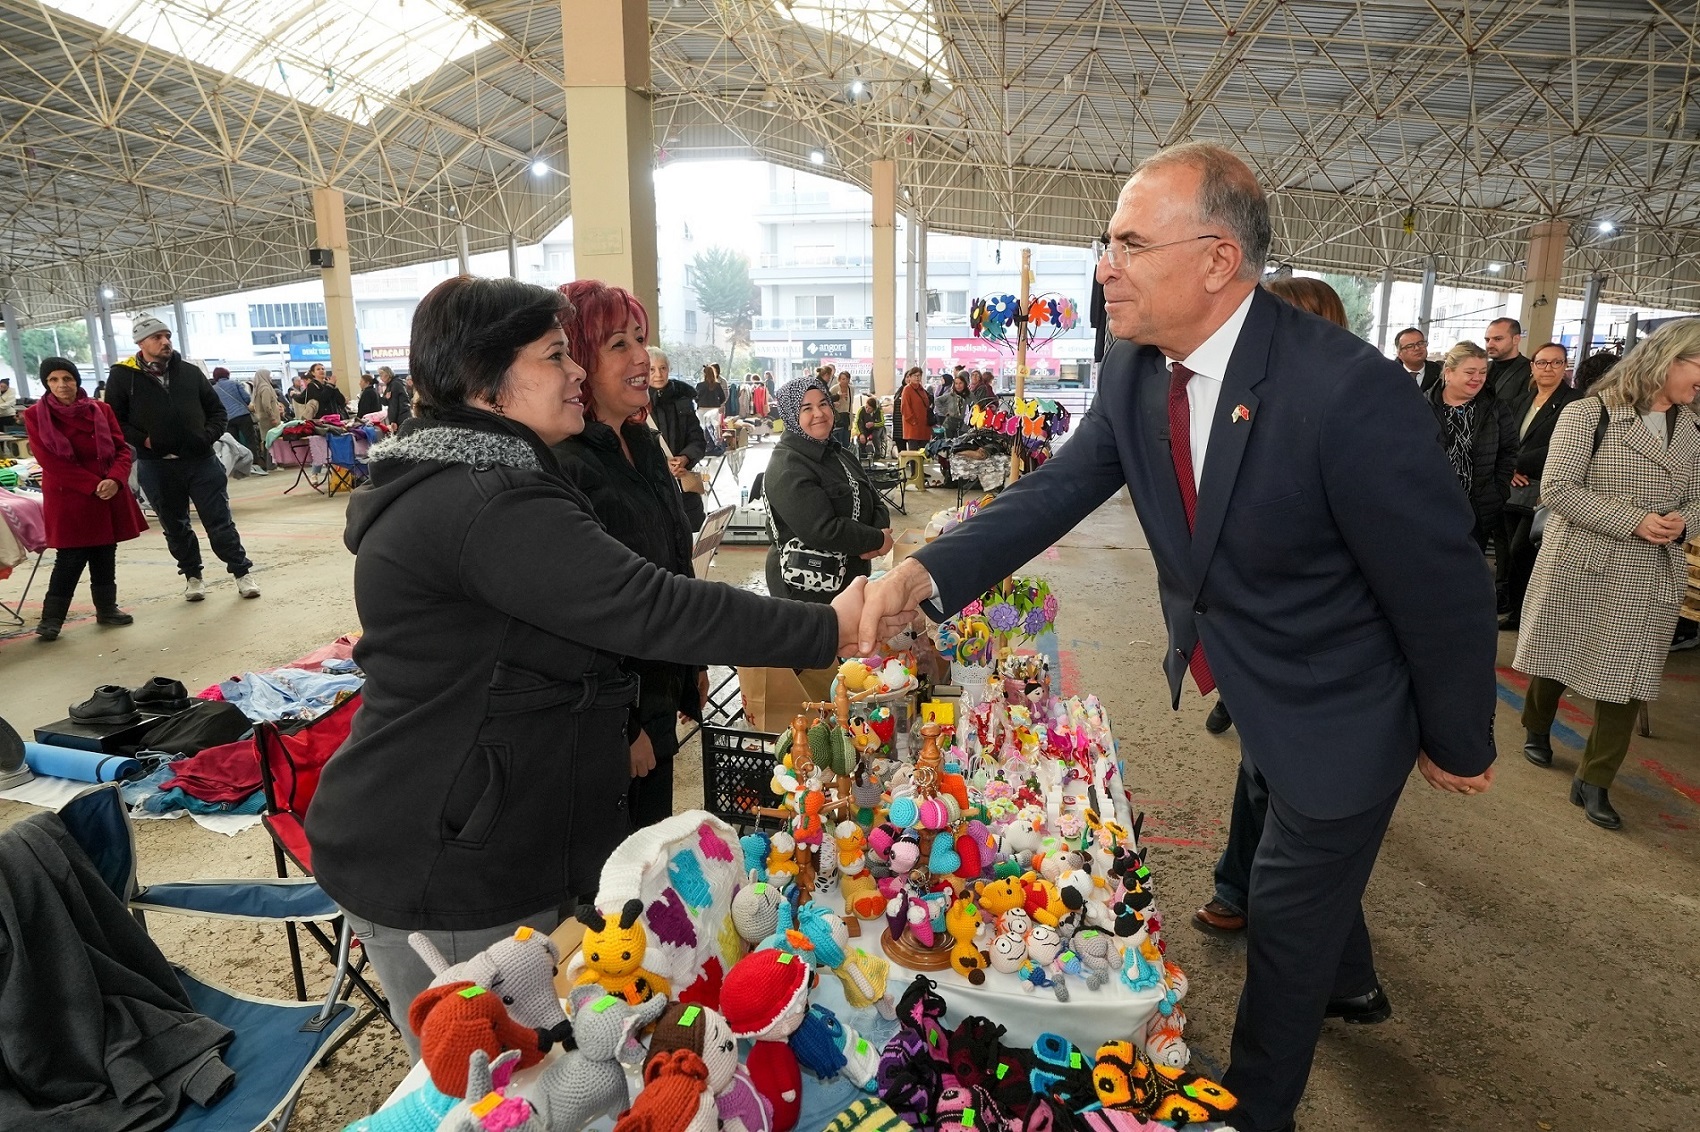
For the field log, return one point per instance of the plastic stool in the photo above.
(914, 463)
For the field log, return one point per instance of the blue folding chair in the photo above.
(345, 469)
(278, 1041)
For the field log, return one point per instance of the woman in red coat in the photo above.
(87, 505)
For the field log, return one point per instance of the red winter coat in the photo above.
(74, 515)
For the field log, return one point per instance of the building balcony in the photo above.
(817, 322)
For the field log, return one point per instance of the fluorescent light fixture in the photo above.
(902, 29)
(311, 53)
(1496, 267)
(1607, 227)
(816, 157)
(108, 293)
(540, 167)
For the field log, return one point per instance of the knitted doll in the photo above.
(488, 1109)
(707, 1033)
(520, 969)
(675, 1097)
(613, 955)
(755, 910)
(454, 1020)
(589, 1082)
(864, 978)
(765, 996)
(853, 1057)
(963, 924)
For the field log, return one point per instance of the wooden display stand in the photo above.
(905, 949)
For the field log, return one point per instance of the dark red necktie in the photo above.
(1180, 450)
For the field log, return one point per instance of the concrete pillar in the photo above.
(331, 227)
(883, 175)
(463, 249)
(921, 291)
(15, 348)
(1632, 331)
(1386, 303)
(181, 330)
(106, 335)
(611, 161)
(909, 292)
(513, 256)
(101, 366)
(1425, 308)
(1542, 280)
(1590, 312)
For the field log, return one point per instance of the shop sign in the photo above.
(826, 348)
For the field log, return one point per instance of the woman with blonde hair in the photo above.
(1622, 485)
(1478, 433)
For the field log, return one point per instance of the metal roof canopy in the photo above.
(1387, 131)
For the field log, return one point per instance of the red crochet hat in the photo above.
(759, 988)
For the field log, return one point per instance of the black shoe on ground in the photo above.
(1509, 624)
(1219, 720)
(1538, 748)
(1363, 1009)
(162, 695)
(1595, 804)
(110, 705)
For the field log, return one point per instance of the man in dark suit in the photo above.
(1346, 615)
(1411, 345)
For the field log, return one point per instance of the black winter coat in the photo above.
(184, 417)
(369, 402)
(638, 500)
(1494, 453)
(673, 408)
(485, 778)
(1532, 449)
(809, 488)
(1509, 380)
(711, 396)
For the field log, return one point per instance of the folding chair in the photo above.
(277, 1042)
(16, 610)
(291, 762)
(344, 470)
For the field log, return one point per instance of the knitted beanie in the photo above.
(456, 1019)
(675, 1097)
(762, 987)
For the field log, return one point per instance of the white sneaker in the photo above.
(258, 471)
(247, 587)
(194, 590)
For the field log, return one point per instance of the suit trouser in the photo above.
(1608, 742)
(1306, 943)
(1245, 830)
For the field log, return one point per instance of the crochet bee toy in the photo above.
(613, 955)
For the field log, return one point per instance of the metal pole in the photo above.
(1386, 304)
(909, 291)
(94, 344)
(15, 346)
(513, 256)
(463, 250)
(921, 291)
(1425, 309)
(1021, 351)
(182, 327)
(106, 325)
(1632, 332)
(1590, 311)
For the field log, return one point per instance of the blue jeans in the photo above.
(171, 485)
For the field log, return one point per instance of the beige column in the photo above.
(1541, 282)
(332, 235)
(610, 147)
(883, 174)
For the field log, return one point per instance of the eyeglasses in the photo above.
(1548, 363)
(1418, 344)
(1121, 254)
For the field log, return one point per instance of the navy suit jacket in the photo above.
(1345, 608)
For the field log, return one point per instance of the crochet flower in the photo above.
(1002, 617)
(1050, 607)
(1035, 622)
(973, 608)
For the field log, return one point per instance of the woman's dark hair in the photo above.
(467, 331)
(1594, 367)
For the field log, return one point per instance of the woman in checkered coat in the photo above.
(1611, 574)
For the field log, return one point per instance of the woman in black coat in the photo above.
(821, 503)
(673, 411)
(1477, 432)
(1534, 413)
(617, 461)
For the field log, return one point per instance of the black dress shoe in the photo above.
(1219, 720)
(110, 705)
(1363, 1009)
(1595, 804)
(1509, 624)
(161, 695)
(1537, 748)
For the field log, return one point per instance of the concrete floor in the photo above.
(1543, 972)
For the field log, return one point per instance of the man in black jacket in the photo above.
(1411, 346)
(172, 417)
(1508, 369)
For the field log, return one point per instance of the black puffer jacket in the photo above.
(639, 504)
(810, 488)
(486, 774)
(1494, 453)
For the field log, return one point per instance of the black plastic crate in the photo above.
(737, 772)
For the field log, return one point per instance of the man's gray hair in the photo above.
(1229, 197)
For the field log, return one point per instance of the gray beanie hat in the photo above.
(146, 327)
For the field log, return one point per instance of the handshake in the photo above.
(872, 612)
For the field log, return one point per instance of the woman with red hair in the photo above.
(618, 462)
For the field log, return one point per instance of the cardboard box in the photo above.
(772, 696)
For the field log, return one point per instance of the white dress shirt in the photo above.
(1418, 374)
(1209, 366)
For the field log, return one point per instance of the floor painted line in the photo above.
(1520, 683)
(1674, 780)
(1559, 731)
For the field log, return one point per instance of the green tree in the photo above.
(1356, 293)
(65, 340)
(688, 359)
(721, 279)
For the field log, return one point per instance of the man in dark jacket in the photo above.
(1508, 369)
(673, 409)
(172, 417)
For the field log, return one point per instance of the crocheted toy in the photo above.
(421, 1110)
(488, 1108)
(861, 1058)
(457, 1018)
(706, 1033)
(1091, 957)
(754, 847)
(782, 859)
(867, 1115)
(1000, 896)
(755, 910)
(1163, 1041)
(675, 1097)
(520, 970)
(963, 924)
(1124, 1078)
(1044, 944)
(1062, 1071)
(765, 997)
(613, 955)
(589, 1081)
(864, 978)
(815, 1044)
